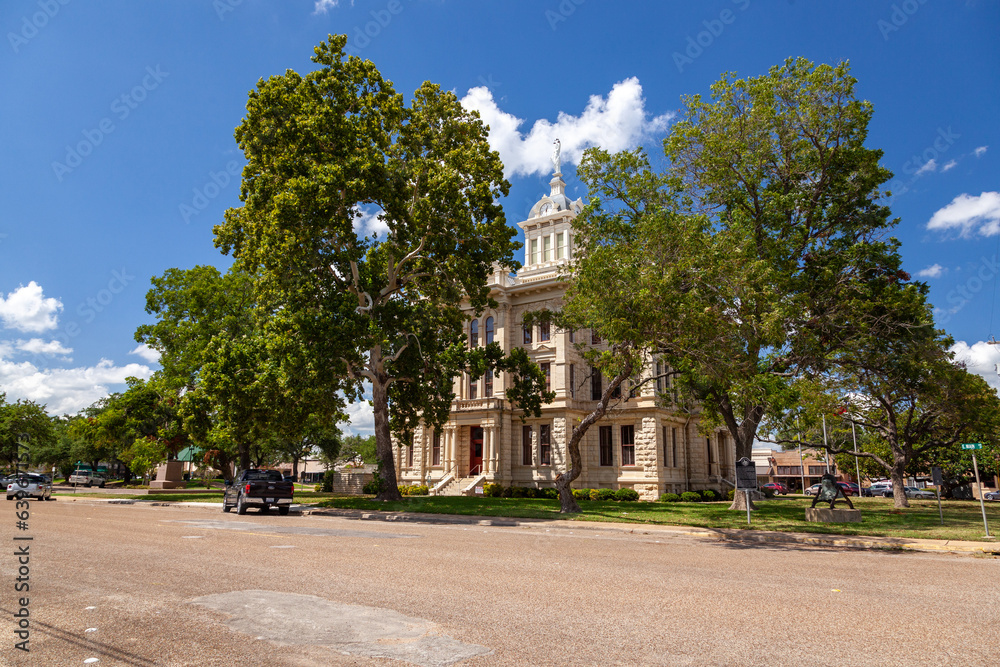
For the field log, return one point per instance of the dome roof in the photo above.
(556, 201)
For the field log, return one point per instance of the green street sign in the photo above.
(972, 445)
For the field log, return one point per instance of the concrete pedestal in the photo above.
(169, 475)
(827, 515)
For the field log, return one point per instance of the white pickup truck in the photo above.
(86, 478)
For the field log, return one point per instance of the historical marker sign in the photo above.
(746, 475)
(937, 476)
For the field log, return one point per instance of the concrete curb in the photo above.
(720, 534)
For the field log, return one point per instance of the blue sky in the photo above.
(118, 118)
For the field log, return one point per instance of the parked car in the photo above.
(258, 488)
(30, 485)
(86, 478)
(920, 494)
(877, 489)
(777, 487)
(849, 488)
(992, 495)
(813, 490)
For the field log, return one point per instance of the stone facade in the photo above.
(642, 443)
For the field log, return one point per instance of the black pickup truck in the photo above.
(258, 488)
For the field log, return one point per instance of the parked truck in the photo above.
(262, 489)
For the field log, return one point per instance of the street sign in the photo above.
(746, 475)
(937, 475)
(972, 445)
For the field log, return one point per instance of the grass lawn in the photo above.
(962, 518)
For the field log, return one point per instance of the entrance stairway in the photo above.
(459, 486)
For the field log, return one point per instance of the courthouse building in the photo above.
(643, 443)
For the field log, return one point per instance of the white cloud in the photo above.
(930, 165)
(361, 419)
(969, 215)
(981, 358)
(39, 346)
(616, 123)
(371, 222)
(146, 352)
(932, 271)
(323, 6)
(26, 309)
(949, 166)
(981, 151)
(64, 390)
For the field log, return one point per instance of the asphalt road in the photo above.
(141, 585)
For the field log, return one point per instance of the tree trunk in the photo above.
(388, 489)
(898, 491)
(295, 467)
(567, 503)
(740, 502)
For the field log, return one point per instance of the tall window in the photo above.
(595, 339)
(595, 384)
(526, 329)
(673, 445)
(572, 335)
(543, 331)
(489, 330)
(708, 442)
(659, 376)
(488, 384)
(473, 387)
(628, 445)
(409, 456)
(666, 446)
(526, 445)
(560, 245)
(547, 369)
(546, 248)
(534, 251)
(436, 449)
(606, 448)
(572, 381)
(544, 445)
(474, 333)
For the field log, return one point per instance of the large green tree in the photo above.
(776, 169)
(337, 149)
(24, 425)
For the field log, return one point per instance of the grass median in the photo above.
(962, 518)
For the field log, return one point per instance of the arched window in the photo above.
(489, 330)
(474, 333)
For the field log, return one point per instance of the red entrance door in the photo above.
(476, 450)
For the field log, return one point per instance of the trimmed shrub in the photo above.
(768, 493)
(582, 494)
(730, 494)
(492, 490)
(670, 498)
(709, 495)
(327, 483)
(691, 497)
(548, 494)
(508, 492)
(604, 494)
(519, 492)
(628, 495)
(371, 488)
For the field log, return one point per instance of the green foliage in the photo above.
(373, 486)
(691, 497)
(768, 493)
(730, 494)
(626, 495)
(23, 422)
(358, 447)
(709, 495)
(670, 498)
(327, 484)
(603, 494)
(582, 494)
(492, 490)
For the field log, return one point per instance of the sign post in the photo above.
(938, 477)
(974, 446)
(746, 480)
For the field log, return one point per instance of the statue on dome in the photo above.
(556, 157)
